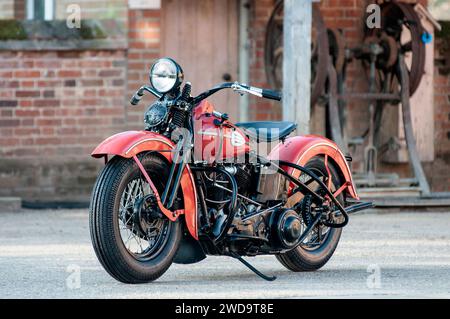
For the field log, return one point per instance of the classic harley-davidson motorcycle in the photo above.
(194, 184)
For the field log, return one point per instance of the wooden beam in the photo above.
(297, 63)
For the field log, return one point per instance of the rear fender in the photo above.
(301, 149)
(130, 144)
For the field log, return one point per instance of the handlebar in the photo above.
(235, 86)
(137, 97)
(241, 89)
(272, 95)
(265, 93)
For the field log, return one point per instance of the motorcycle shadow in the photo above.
(240, 274)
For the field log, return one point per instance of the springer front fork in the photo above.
(167, 199)
(180, 156)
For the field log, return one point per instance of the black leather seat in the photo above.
(267, 131)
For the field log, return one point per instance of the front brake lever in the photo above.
(242, 89)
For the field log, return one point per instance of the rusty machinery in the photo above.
(391, 81)
(319, 53)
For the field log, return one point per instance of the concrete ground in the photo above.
(48, 254)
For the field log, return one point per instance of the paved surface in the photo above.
(42, 253)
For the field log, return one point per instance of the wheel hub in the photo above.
(146, 216)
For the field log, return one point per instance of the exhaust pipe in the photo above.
(359, 207)
(356, 208)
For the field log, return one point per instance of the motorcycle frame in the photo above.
(301, 187)
(292, 159)
(192, 194)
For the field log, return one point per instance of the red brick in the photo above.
(28, 94)
(5, 142)
(27, 113)
(48, 141)
(48, 112)
(94, 82)
(110, 73)
(9, 84)
(25, 103)
(27, 122)
(8, 103)
(69, 74)
(26, 131)
(27, 84)
(47, 103)
(48, 83)
(27, 74)
(47, 130)
(9, 122)
(6, 74)
(48, 122)
(69, 131)
(6, 113)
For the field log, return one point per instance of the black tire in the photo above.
(302, 259)
(109, 247)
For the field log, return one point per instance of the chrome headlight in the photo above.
(156, 114)
(165, 75)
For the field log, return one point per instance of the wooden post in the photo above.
(297, 63)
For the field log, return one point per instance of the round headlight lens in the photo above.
(165, 75)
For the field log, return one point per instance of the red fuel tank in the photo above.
(217, 143)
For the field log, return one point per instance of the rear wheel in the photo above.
(133, 240)
(315, 251)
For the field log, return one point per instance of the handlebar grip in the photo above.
(137, 97)
(271, 95)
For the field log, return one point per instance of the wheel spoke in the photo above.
(138, 242)
(128, 239)
(140, 236)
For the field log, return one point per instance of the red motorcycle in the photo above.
(194, 184)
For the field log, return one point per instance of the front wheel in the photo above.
(133, 240)
(315, 251)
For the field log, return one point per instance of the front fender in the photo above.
(129, 144)
(300, 149)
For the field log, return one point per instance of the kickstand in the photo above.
(256, 271)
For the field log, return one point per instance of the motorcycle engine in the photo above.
(282, 228)
(243, 180)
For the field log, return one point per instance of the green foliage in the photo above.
(12, 30)
(91, 30)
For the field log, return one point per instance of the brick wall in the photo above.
(55, 107)
(19, 9)
(6, 9)
(260, 12)
(143, 49)
(97, 9)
